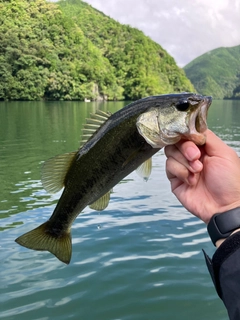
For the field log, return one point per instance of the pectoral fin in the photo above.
(54, 171)
(144, 170)
(101, 203)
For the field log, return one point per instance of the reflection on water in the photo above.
(224, 117)
(139, 259)
(30, 133)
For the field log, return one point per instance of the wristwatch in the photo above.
(221, 225)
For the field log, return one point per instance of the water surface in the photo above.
(139, 259)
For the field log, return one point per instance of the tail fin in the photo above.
(42, 239)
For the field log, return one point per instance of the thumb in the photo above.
(215, 146)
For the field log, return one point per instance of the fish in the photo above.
(113, 146)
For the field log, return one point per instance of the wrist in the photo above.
(223, 225)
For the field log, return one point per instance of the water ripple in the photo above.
(139, 259)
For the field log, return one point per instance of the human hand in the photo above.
(205, 179)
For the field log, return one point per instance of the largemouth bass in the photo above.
(112, 147)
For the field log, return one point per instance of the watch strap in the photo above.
(221, 225)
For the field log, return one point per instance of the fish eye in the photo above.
(182, 105)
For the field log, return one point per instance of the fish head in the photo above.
(180, 116)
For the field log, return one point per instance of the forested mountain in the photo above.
(69, 50)
(217, 73)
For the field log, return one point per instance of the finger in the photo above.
(175, 169)
(189, 150)
(179, 175)
(179, 151)
(174, 152)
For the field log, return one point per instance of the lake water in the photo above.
(140, 259)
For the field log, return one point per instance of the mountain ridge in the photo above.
(216, 73)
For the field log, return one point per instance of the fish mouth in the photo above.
(198, 122)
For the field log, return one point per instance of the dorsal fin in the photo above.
(92, 125)
(144, 170)
(54, 171)
(101, 203)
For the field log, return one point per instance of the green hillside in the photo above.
(71, 51)
(142, 67)
(217, 73)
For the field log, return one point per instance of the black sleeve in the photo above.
(225, 272)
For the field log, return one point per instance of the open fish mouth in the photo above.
(198, 122)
